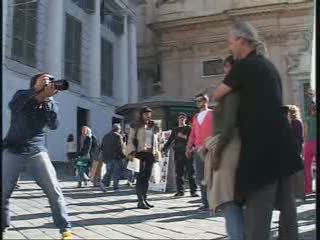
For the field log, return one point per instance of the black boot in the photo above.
(141, 205)
(148, 204)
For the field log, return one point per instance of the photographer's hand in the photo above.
(45, 88)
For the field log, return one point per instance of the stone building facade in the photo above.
(181, 51)
(92, 43)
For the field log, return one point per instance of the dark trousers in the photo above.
(113, 170)
(182, 164)
(199, 163)
(143, 176)
(259, 207)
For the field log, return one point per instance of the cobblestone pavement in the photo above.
(111, 215)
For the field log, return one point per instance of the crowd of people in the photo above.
(245, 155)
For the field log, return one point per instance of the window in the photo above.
(24, 33)
(106, 68)
(213, 67)
(72, 49)
(111, 16)
(86, 5)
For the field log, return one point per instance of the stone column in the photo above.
(132, 61)
(55, 42)
(94, 61)
(4, 28)
(123, 66)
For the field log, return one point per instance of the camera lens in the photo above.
(61, 85)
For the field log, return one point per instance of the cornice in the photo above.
(231, 15)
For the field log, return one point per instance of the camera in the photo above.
(60, 85)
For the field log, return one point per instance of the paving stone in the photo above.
(96, 215)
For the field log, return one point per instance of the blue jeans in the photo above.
(82, 175)
(41, 168)
(199, 166)
(113, 169)
(234, 218)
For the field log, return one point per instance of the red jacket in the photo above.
(201, 132)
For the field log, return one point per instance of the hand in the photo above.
(42, 81)
(49, 90)
(189, 154)
(216, 159)
(132, 155)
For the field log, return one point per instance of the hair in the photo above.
(229, 60)
(248, 32)
(203, 95)
(140, 121)
(294, 112)
(70, 137)
(89, 131)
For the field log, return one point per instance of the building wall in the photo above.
(50, 58)
(190, 32)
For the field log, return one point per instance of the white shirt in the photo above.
(149, 138)
(201, 116)
(71, 147)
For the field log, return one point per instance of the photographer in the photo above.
(32, 111)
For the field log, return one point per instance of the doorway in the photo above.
(82, 120)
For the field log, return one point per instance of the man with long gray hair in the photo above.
(269, 155)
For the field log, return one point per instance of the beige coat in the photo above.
(141, 136)
(221, 183)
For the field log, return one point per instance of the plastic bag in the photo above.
(156, 173)
(134, 165)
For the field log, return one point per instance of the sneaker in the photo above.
(195, 195)
(79, 185)
(103, 187)
(67, 235)
(179, 194)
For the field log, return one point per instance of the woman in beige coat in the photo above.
(222, 160)
(143, 144)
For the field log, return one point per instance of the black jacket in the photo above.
(268, 148)
(112, 147)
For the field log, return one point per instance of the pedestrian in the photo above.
(310, 148)
(268, 156)
(202, 129)
(297, 127)
(179, 139)
(131, 175)
(222, 162)
(142, 144)
(96, 162)
(113, 152)
(33, 111)
(83, 161)
(71, 154)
